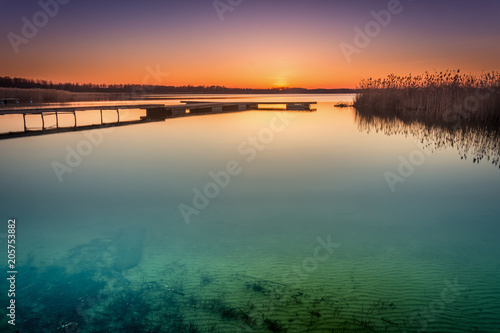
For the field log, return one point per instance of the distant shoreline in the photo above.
(40, 95)
(52, 96)
(42, 91)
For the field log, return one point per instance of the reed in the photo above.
(440, 98)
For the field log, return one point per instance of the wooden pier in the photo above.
(190, 108)
(154, 112)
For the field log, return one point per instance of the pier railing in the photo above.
(154, 112)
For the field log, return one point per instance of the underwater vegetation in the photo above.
(51, 297)
(274, 325)
(206, 279)
(78, 302)
(227, 312)
(76, 298)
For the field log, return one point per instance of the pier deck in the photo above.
(154, 112)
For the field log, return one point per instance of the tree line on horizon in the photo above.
(22, 83)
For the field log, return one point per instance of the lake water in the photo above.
(255, 221)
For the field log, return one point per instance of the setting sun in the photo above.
(280, 82)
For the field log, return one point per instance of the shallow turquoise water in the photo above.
(109, 248)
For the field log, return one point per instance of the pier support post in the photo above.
(74, 114)
(101, 116)
(43, 122)
(24, 121)
(118, 113)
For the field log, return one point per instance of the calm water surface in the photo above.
(256, 221)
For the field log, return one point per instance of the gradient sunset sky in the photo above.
(258, 44)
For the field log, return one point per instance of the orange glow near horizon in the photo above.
(256, 69)
(250, 51)
(320, 75)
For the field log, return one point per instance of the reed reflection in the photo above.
(441, 110)
(473, 141)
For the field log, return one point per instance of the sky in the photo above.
(245, 43)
